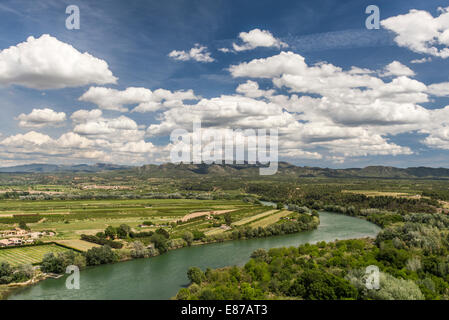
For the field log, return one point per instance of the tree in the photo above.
(228, 218)
(261, 254)
(110, 232)
(183, 294)
(195, 275)
(208, 294)
(100, 235)
(160, 242)
(138, 250)
(320, 285)
(5, 272)
(58, 263)
(393, 256)
(23, 273)
(23, 225)
(53, 264)
(392, 288)
(163, 232)
(249, 293)
(198, 235)
(123, 231)
(188, 237)
(100, 255)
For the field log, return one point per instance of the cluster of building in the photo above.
(17, 237)
(10, 242)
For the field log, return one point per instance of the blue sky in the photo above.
(135, 39)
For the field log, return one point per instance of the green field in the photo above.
(29, 254)
(271, 219)
(255, 217)
(70, 219)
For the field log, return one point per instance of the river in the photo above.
(161, 277)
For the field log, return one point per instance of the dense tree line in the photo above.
(303, 222)
(332, 197)
(101, 241)
(57, 263)
(95, 256)
(412, 257)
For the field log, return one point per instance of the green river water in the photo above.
(161, 277)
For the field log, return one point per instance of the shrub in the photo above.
(195, 275)
(52, 263)
(160, 242)
(317, 284)
(102, 241)
(198, 235)
(395, 289)
(100, 255)
(138, 250)
(188, 237)
(163, 232)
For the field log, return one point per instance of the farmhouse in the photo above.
(19, 237)
(11, 242)
(14, 232)
(4, 243)
(16, 241)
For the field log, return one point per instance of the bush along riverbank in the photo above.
(412, 257)
(134, 245)
(11, 277)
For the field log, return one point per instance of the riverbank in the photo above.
(410, 258)
(162, 276)
(128, 257)
(8, 289)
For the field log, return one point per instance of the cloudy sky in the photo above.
(341, 95)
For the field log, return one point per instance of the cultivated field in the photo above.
(194, 215)
(29, 254)
(70, 219)
(264, 222)
(78, 244)
(253, 218)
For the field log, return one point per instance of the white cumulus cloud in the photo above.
(85, 115)
(145, 99)
(41, 117)
(198, 53)
(420, 32)
(398, 69)
(47, 63)
(112, 99)
(258, 38)
(439, 89)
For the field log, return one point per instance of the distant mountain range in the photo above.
(52, 168)
(245, 170)
(289, 170)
